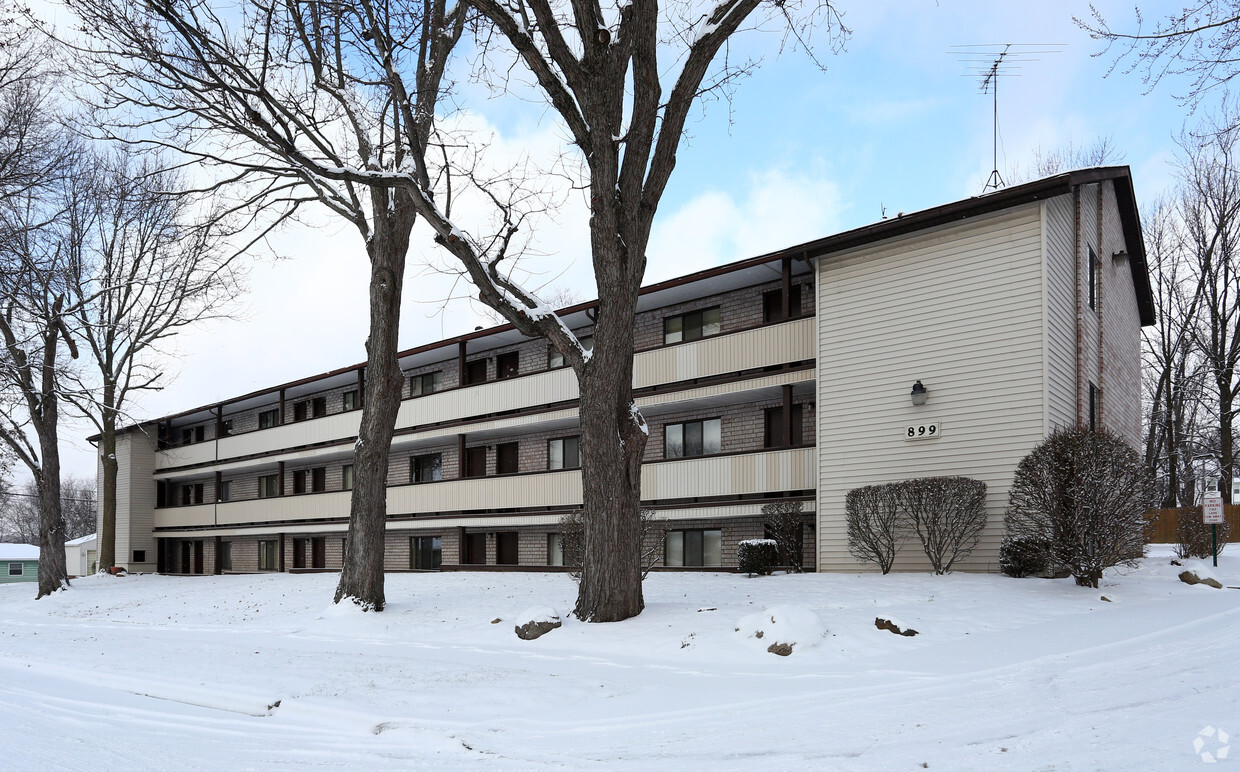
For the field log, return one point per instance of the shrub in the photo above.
(757, 556)
(784, 521)
(1023, 556)
(947, 514)
(1085, 495)
(875, 526)
(1193, 538)
(572, 529)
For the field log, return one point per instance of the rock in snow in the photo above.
(1191, 577)
(895, 627)
(785, 626)
(537, 621)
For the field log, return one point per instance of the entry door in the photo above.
(198, 557)
(476, 461)
(299, 553)
(506, 548)
(184, 557)
(318, 552)
(476, 548)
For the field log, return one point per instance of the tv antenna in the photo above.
(988, 63)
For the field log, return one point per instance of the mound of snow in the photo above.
(795, 626)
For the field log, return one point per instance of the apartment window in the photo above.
(693, 548)
(773, 431)
(299, 480)
(15, 569)
(268, 486)
(556, 359)
(225, 556)
(427, 383)
(476, 371)
(349, 400)
(506, 458)
(691, 326)
(476, 461)
(269, 418)
(191, 494)
(425, 552)
(555, 550)
(508, 365)
(301, 411)
(139, 556)
(193, 434)
(1093, 278)
(226, 428)
(268, 555)
(318, 406)
(427, 468)
(1095, 405)
(318, 479)
(692, 438)
(225, 492)
(346, 477)
(564, 453)
(773, 304)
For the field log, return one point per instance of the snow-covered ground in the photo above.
(250, 672)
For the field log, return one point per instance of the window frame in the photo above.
(507, 365)
(299, 481)
(273, 549)
(555, 549)
(1095, 275)
(681, 425)
(269, 419)
(776, 315)
(348, 400)
(688, 333)
(555, 360)
(416, 550)
(416, 465)
(564, 444)
(225, 556)
(1095, 407)
(21, 568)
(301, 411)
(346, 477)
(699, 550)
(225, 491)
(269, 481)
(436, 383)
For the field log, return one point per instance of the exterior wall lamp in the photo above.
(1120, 258)
(919, 394)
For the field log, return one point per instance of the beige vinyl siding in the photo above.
(135, 500)
(960, 308)
(1060, 312)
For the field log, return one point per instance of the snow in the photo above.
(536, 614)
(18, 551)
(263, 671)
(80, 541)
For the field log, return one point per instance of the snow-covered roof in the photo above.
(18, 552)
(79, 542)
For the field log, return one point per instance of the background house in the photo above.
(80, 556)
(19, 563)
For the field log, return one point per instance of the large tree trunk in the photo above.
(361, 579)
(613, 440)
(53, 575)
(1227, 454)
(107, 459)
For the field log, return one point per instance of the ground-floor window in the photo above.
(425, 552)
(694, 548)
(15, 569)
(267, 551)
(225, 556)
(555, 550)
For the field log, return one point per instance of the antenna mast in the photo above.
(989, 63)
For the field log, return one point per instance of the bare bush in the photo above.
(572, 529)
(875, 526)
(947, 514)
(784, 522)
(1193, 538)
(1085, 493)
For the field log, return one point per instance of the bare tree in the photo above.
(652, 537)
(145, 270)
(1196, 43)
(604, 72)
(1064, 158)
(876, 527)
(19, 520)
(784, 522)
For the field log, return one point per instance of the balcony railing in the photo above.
(775, 344)
(730, 475)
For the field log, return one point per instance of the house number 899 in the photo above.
(921, 432)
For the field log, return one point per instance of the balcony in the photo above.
(730, 475)
(753, 349)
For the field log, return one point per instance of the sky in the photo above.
(894, 123)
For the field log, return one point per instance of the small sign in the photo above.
(922, 431)
(1212, 509)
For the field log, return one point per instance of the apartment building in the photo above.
(948, 341)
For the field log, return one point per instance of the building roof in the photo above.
(18, 552)
(80, 541)
(671, 290)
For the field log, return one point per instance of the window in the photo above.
(427, 383)
(773, 304)
(318, 479)
(556, 359)
(191, 494)
(428, 468)
(692, 438)
(269, 418)
(425, 552)
(476, 371)
(267, 555)
(555, 550)
(318, 406)
(301, 411)
(139, 556)
(508, 365)
(225, 556)
(15, 569)
(299, 480)
(773, 431)
(506, 458)
(1095, 406)
(346, 477)
(564, 453)
(1094, 276)
(349, 400)
(225, 493)
(226, 428)
(693, 548)
(268, 486)
(691, 326)
(193, 434)
(476, 461)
